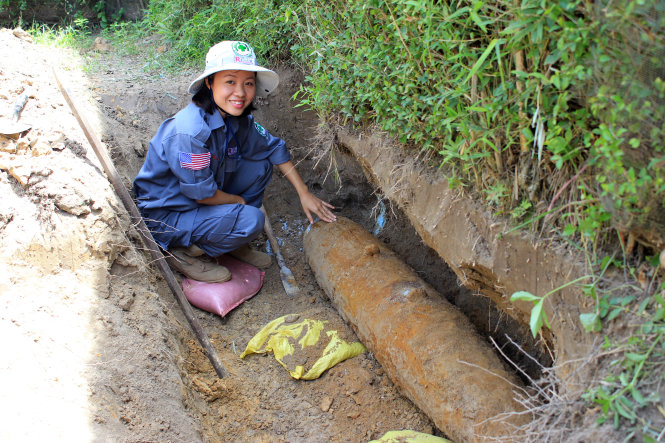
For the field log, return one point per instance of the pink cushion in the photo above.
(220, 298)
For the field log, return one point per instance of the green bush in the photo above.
(522, 100)
(192, 26)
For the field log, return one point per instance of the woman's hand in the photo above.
(312, 204)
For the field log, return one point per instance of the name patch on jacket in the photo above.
(194, 161)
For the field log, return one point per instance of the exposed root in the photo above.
(555, 416)
(324, 146)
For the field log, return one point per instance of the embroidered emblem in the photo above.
(232, 151)
(194, 162)
(242, 49)
(261, 130)
(244, 53)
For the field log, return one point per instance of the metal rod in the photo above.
(157, 256)
(288, 280)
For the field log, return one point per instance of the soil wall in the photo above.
(476, 246)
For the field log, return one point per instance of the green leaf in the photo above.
(481, 60)
(637, 395)
(524, 296)
(659, 314)
(605, 262)
(623, 378)
(623, 412)
(536, 321)
(604, 404)
(623, 301)
(659, 299)
(635, 357)
(614, 313)
(569, 230)
(591, 322)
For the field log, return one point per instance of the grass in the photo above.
(75, 36)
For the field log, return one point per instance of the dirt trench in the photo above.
(83, 306)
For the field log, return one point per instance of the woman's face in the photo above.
(233, 91)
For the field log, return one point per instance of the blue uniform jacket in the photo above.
(167, 180)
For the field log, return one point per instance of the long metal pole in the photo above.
(157, 256)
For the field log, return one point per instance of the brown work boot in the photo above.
(256, 258)
(193, 251)
(197, 269)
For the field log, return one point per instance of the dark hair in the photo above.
(203, 99)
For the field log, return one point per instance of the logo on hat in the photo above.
(242, 49)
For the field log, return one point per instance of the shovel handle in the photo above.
(267, 227)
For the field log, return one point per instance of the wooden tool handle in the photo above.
(157, 256)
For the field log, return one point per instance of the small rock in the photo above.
(7, 145)
(353, 415)
(291, 318)
(16, 168)
(41, 148)
(22, 146)
(326, 402)
(101, 45)
(56, 137)
(371, 250)
(72, 203)
(23, 35)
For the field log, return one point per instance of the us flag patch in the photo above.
(194, 161)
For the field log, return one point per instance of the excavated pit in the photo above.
(363, 203)
(485, 253)
(146, 377)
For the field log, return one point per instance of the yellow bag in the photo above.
(409, 437)
(288, 340)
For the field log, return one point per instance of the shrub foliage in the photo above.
(540, 102)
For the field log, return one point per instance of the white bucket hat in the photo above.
(236, 56)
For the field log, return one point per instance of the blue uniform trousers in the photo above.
(217, 229)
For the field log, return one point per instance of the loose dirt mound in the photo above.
(95, 347)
